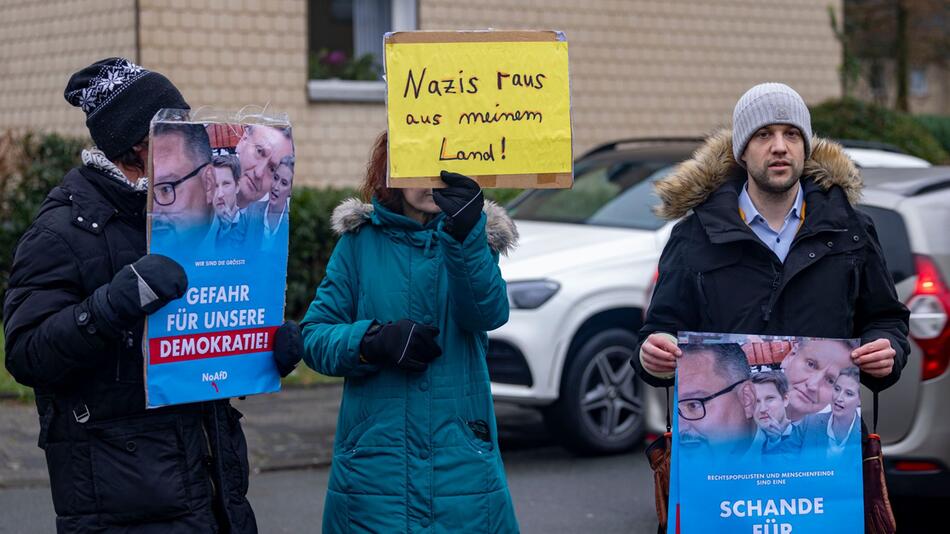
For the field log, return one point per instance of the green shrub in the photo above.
(939, 127)
(502, 196)
(30, 166)
(853, 119)
(311, 243)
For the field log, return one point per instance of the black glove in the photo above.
(137, 290)
(288, 347)
(407, 345)
(461, 202)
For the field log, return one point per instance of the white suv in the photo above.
(578, 285)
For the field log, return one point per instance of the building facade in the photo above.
(639, 68)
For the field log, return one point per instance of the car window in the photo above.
(618, 194)
(892, 233)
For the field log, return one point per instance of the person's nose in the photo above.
(778, 145)
(813, 382)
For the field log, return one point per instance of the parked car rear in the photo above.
(911, 212)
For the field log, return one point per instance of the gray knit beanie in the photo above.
(764, 104)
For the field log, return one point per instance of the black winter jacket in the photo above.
(114, 467)
(715, 275)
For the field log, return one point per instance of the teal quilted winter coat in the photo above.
(405, 458)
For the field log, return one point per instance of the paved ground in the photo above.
(553, 493)
(288, 430)
(21, 461)
(290, 436)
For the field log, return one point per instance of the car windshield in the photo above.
(613, 193)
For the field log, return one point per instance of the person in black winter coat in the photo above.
(770, 243)
(80, 288)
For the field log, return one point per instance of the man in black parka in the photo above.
(80, 288)
(770, 243)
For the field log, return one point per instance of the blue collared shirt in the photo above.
(779, 241)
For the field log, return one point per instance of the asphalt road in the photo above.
(554, 492)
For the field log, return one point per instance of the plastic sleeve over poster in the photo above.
(766, 436)
(219, 205)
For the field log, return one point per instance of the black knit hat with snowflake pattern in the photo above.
(119, 99)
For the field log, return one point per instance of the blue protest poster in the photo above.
(219, 206)
(767, 437)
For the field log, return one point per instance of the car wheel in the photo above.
(600, 409)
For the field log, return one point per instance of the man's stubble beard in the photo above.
(767, 186)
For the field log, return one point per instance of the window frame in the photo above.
(405, 17)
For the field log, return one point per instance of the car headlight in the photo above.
(531, 294)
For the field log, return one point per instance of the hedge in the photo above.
(33, 164)
(854, 119)
(30, 166)
(939, 127)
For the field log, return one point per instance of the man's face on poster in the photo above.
(723, 417)
(770, 409)
(812, 369)
(260, 150)
(225, 192)
(179, 185)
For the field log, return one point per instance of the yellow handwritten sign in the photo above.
(497, 108)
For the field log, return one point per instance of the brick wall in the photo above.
(253, 54)
(667, 67)
(638, 67)
(42, 43)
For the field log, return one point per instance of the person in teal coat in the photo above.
(410, 291)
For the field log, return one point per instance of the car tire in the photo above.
(601, 408)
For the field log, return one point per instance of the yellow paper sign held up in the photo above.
(497, 107)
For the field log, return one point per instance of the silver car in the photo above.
(911, 212)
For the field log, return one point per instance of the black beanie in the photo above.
(120, 98)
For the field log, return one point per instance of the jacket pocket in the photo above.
(474, 441)
(352, 437)
(138, 470)
(469, 468)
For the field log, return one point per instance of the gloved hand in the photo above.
(137, 290)
(288, 347)
(407, 345)
(462, 202)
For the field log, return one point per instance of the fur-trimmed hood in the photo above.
(691, 183)
(502, 233)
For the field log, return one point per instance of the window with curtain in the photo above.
(346, 37)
